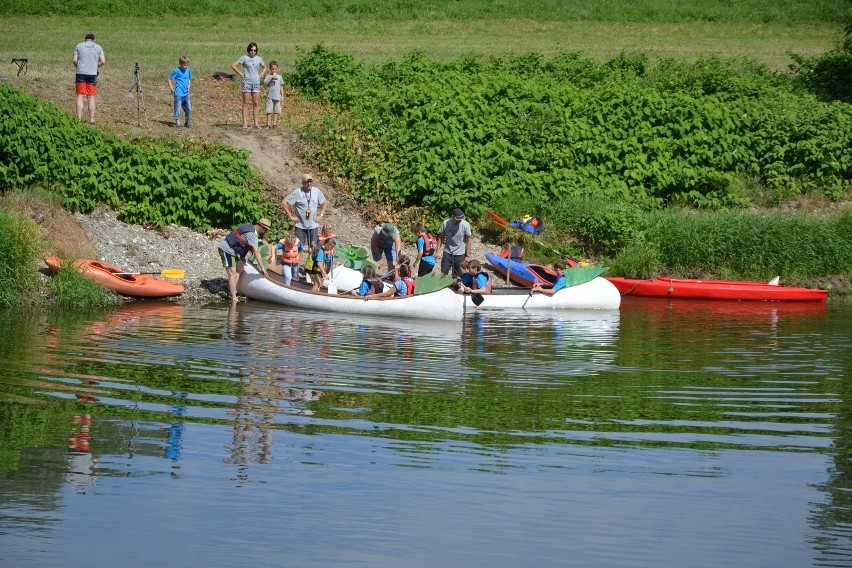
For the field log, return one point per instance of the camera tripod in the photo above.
(140, 98)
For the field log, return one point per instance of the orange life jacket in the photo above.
(290, 256)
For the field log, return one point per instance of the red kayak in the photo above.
(121, 282)
(678, 288)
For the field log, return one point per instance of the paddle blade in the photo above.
(173, 273)
(432, 282)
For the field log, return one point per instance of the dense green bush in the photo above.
(21, 248)
(752, 245)
(637, 260)
(828, 76)
(471, 132)
(199, 185)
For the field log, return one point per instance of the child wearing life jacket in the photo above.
(475, 281)
(318, 265)
(402, 287)
(406, 279)
(328, 233)
(425, 260)
(288, 257)
(371, 284)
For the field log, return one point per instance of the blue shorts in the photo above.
(249, 87)
(88, 79)
(389, 252)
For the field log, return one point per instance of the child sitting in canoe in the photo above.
(371, 285)
(474, 280)
(559, 267)
(402, 287)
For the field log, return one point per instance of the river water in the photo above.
(665, 434)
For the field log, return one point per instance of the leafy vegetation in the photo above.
(21, 247)
(472, 132)
(829, 76)
(198, 185)
(70, 289)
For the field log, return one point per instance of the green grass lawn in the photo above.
(213, 43)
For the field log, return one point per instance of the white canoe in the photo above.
(443, 304)
(596, 294)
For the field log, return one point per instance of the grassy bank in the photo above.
(214, 42)
(28, 221)
(789, 12)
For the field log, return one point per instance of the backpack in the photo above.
(532, 225)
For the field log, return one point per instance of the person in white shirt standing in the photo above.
(88, 57)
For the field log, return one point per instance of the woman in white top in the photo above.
(251, 68)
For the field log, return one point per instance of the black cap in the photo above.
(458, 214)
(90, 36)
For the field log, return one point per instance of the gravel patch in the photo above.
(138, 249)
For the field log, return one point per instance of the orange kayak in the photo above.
(117, 280)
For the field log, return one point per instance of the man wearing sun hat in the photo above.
(387, 241)
(87, 58)
(306, 207)
(234, 248)
(455, 234)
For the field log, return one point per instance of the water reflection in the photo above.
(718, 400)
(82, 463)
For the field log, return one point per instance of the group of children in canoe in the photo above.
(314, 249)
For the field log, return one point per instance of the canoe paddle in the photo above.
(173, 273)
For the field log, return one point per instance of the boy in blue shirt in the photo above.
(474, 281)
(179, 86)
(559, 267)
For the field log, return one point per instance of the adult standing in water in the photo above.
(234, 248)
(251, 68)
(306, 207)
(87, 58)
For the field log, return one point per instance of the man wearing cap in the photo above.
(87, 58)
(387, 240)
(455, 234)
(306, 207)
(235, 247)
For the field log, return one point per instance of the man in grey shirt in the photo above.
(88, 57)
(455, 234)
(305, 206)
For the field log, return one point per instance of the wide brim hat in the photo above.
(265, 223)
(389, 230)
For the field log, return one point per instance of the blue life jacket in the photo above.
(236, 240)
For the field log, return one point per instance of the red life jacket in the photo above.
(428, 244)
(409, 284)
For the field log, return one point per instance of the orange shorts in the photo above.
(86, 84)
(86, 89)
